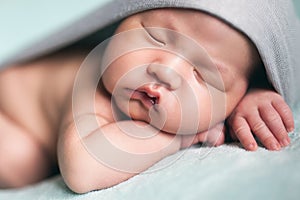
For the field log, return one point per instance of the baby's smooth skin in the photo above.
(42, 89)
(32, 105)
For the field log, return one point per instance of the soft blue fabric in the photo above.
(227, 172)
(23, 23)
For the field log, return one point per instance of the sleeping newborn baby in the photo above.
(149, 103)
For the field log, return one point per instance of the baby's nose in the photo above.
(165, 75)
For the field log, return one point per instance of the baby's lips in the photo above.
(151, 91)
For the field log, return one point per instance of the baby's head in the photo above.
(171, 85)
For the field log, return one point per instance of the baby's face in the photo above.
(189, 72)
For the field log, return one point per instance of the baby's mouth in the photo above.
(146, 96)
(152, 99)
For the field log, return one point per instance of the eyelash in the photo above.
(154, 39)
(197, 75)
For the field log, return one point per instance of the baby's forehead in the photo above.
(202, 27)
(174, 17)
(192, 23)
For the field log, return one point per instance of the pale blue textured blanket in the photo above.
(226, 172)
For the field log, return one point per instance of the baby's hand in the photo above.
(265, 114)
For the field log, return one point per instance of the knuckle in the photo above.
(241, 108)
(281, 134)
(286, 111)
(272, 94)
(280, 103)
(290, 121)
(258, 126)
(274, 119)
(278, 97)
(239, 129)
(244, 109)
(268, 140)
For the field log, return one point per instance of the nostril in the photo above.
(164, 75)
(151, 69)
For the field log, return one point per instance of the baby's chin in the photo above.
(169, 122)
(175, 128)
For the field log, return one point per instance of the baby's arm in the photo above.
(82, 172)
(265, 114)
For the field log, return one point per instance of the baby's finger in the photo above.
(285, 113)
(260, 129)
(231, 133)
(274, 122)
(242, 131)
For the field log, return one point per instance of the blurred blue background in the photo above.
(23, 22)
(297, 5)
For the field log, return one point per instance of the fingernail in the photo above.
(275, 146)
(285, 142)
(291, 129)
(251, 146)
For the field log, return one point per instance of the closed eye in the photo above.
(197, 75)
(152, 37)
(211, 78)
(156, 40)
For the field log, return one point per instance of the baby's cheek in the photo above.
(107, 81)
